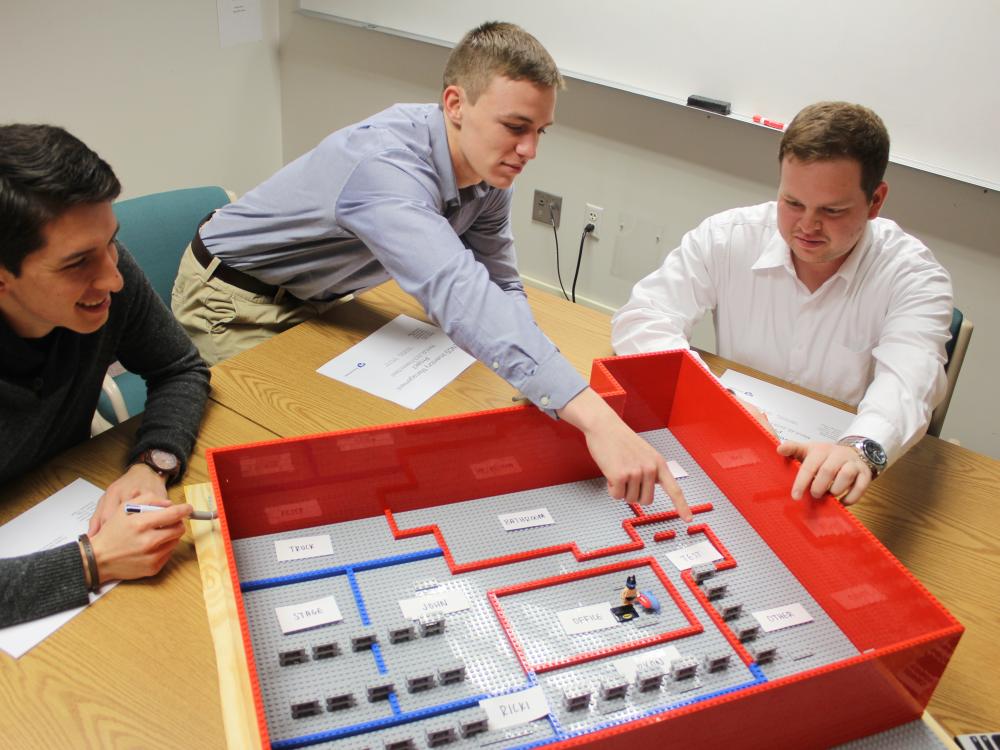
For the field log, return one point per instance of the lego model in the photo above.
(458, 583)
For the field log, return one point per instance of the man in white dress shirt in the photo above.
(816, 289)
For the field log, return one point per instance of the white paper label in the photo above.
(307, 615)
(303, 547)
(506, 711)
(676, 469)
(696, 554)
(782, 617)
(440, 602)
(661, 658)
(587, 619)
(526, 519)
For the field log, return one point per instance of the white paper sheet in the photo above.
(405, 361)
(793, 416)
(239, 22)
(58, 519)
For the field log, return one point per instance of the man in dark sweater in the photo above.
(73, 301)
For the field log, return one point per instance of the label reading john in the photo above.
(440, 602)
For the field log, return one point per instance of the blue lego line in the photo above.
(339, 570)
(359, 600)
(394, 702)
(386, 562)
(403, 717)
(379, 661)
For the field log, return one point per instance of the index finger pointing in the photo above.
(673, 490)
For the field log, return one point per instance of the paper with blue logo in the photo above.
(406, 361)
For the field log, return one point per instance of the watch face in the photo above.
(162, 460)
(874, 453)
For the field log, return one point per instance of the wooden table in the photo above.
(138, 669)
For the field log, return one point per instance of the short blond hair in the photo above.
(498, 48)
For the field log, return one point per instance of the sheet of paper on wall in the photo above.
(793, 416)
(405, 361)
(58, 519)
(239, 22)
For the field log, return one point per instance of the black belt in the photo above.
(230, 275)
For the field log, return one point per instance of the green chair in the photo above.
(961, 333)
(156, 229)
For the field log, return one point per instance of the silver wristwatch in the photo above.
(868, 451)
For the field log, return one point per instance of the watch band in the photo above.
(869, 451)
(164, 463)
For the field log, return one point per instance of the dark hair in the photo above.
(836, 130)
(44, 171)
(497, 48)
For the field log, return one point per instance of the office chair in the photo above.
(155, 229)
(961, 333)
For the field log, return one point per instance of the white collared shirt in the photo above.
(873, 335)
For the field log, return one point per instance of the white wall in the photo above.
(657, 170)
(147, 86)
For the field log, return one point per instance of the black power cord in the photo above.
(552, 221)
(579, 256)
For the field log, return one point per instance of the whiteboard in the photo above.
(930, 69)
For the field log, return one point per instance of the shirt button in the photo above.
(544, 400)
(496, 365)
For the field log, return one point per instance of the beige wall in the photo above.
(657, 170)
(147, 85)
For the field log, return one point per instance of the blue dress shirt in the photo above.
(378, 199)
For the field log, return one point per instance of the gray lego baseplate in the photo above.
(493, 618)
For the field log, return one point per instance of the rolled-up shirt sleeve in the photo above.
(479, 303)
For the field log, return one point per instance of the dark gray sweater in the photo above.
(48, 392)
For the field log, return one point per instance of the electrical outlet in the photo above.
(546, 208)
(593, 215)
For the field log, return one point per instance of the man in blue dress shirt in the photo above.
(419, 193)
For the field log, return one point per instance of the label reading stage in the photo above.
(782, 617)
(526, 519)
(307, 615)
(696, 554)
(517, 708)
(441, 602)
(587, 619)
(302, 547)
(627, 666)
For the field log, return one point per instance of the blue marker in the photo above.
(198, 515)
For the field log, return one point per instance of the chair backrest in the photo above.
(961, 333)
(157, 228)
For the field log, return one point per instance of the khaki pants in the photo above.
(223, 320)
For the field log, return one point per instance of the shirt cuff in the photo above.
(553, 385)
(878, 429)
